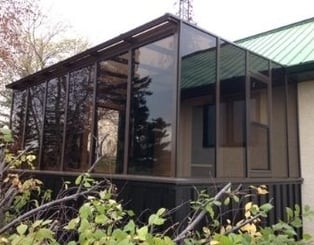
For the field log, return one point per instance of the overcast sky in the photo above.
(100, 20)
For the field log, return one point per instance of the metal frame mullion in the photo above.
(128, 113)
(217, 107)
(65, 120)
(41, 145)
(94, 117)
(177, 107)
(11, 107)
(270, 109)
(247, 116)
(287, 122)
(25, 118)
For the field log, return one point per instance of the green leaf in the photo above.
(130, 227)
(37, 223)
(154, 219)
(217, 203)
(73, 223)
(21, 229)
(161, 211)
(235, 198)
(101, 219)
(266, 207)
(84, 226)
(44, 233)
(78, 180)
(142, 232)
(227, 201)
(85, 211)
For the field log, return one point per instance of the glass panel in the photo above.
(35, 119)
(197, 137)
(232, 112)
(18, 117)
(153, 88)
(259, 125)
(258, 102)
(78, 124)
(53, 125)
(111, 103)
(258, 64)
(258, 147)
(279, 125)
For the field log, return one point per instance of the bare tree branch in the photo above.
(201, 215)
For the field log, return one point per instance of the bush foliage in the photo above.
(28, 215)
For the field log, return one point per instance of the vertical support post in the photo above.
(93, 137)
(41, 141)
(25, 119)
(270, 112)
(66, 105)
(247, 116)
(217, 110)
(128, 112)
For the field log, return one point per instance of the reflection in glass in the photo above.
(111, 103)
(17, 118)
(153, 84)
(232, 141)
(53, 124)
(258, 64)
(35, 119)
(197, 106)
(78, 124)
(259, 126)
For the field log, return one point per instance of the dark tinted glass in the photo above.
(111, 108)
(232, 141)
(258, 64)
(152, 105)
(78, 124)
(53, 124)
(197, 137)
(18, 117)
(35, 118)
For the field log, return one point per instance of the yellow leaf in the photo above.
(261, 191)
(248, 206)
(247, 214)
(249, 228)
(214, 242)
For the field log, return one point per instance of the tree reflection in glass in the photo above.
(153, 84)
(17, 118)
(111, 103)
(35, 120)
(78, 122)
(54, 123)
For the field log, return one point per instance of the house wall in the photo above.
(306, 131)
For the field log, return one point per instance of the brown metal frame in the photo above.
(155, 30)
(42, 126)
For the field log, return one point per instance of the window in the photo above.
(54, 124)
(259, 125)
(152, 104)
(112, 80)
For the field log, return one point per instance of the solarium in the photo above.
(166, 103)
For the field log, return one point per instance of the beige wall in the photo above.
(306, 127)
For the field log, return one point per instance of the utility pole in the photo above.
(185, 10)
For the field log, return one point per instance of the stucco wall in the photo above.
(306, 129)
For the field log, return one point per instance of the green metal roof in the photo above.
(288, 45)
